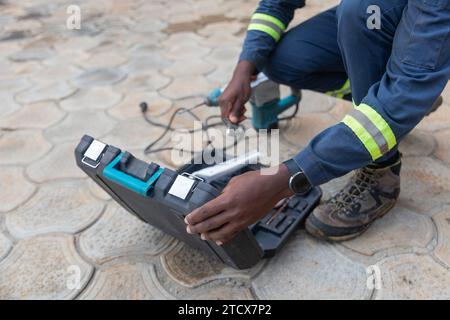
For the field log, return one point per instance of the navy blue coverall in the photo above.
(395, 72)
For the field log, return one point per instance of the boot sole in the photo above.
(316, 232)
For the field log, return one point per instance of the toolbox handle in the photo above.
(127, 181)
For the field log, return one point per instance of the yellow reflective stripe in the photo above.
(342, 92)
(364, 136)
(380, 123)
(269, 18)
(266, 29)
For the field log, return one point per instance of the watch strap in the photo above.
(292, 166)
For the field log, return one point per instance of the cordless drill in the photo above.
(265, 100)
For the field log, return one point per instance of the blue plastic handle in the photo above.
(127, 181)
(212, 98)
(287, 102)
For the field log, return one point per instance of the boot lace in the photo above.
(363, 180)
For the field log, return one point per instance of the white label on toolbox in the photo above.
(181, 187)
(95, 150)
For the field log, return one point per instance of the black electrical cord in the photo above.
(293, 115)
(168, 128)
(205, 126)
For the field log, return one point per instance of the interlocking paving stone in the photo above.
(400, 228)
(417, 143)
(9, 106)
(15, 188)
(126, 282)
(52, 91)
(134, 133)
(442, 220)
(192, 268)
(242, 10)
(5, 246)
(38, 115)
(187, 51)
(438, 120)
(59, 163)
(425, 183)
(118, 233)
(27, 54)
(313, 102)
(231, 291)
(220, 76)
(413, 277)
(97, 191)
(224, 55)
(65, 207)
(76, 124)
(7, 47)
(53, 74)
(222, 40)
(95, 98)
(341, 109)
(222, 291)
(129, 107)
(103, 60)
(300, 130)
(22, 146)
(308, 269)
(43, 268)
(184, 87)
(98, 77)
(148, 82)
(146, 63)
(218, 28)
(151, 46)
(443, 149)
(446, 94)
(76, 44)
(182, 37)
(74, 57)
(150, 26)
(13, 84)
(194, 67)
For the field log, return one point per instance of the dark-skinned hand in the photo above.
(233, 99)
(245, 200)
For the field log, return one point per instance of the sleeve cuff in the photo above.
(311, 167)
(257, 60)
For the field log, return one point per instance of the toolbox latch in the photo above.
(93, 154)
(183, 185)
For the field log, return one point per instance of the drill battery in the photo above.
(163, 197)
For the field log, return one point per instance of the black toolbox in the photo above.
(163, 197)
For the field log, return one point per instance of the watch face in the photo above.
(299, 183)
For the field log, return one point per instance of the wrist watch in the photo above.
(298, 183)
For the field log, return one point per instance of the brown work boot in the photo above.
(369, 195)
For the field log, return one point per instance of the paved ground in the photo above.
(57, 84)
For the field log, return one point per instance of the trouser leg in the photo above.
(366, 51)
(308, 57)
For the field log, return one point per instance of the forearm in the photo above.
(266, 27)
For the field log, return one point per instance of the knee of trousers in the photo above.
(352, 22)
(358, 20)
(280, 72)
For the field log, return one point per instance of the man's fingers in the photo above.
(225, 108)
(211, 223)
(206, 211)
(237, 111)
(222, 234)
